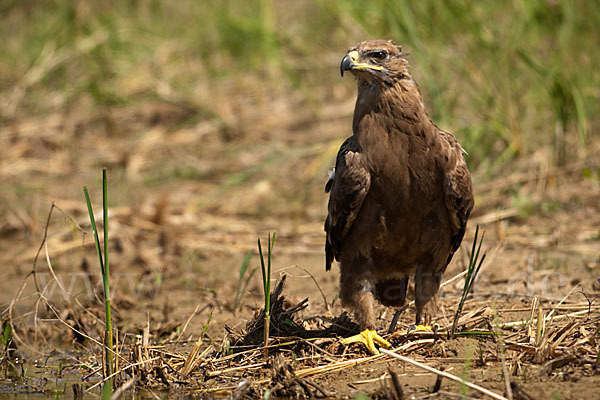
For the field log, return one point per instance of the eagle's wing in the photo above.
(458, 190)
(348, 187)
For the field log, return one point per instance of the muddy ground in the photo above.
(188, 199)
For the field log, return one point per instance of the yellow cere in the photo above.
(353, 56)
(356, 65)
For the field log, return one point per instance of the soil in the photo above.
(187, 203)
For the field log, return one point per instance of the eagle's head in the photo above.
(376, 61)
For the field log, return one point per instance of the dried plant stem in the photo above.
(254, 349)
(119, 392)
(336, 366)
(266, 332)
(318, 287)
(558, 317)
(444, 374)
(188, 322)
(551, 313)
(502, 350)
(302, 373)
(219, 372)
(127, 367)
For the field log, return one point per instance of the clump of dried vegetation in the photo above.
(217, 124)
(296, 355)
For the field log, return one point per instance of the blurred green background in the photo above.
(504, 76)
(508, 78)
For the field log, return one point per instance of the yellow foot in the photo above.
(423, 328)
(368, 337)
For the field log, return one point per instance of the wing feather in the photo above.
(348, 186)
(458, 190)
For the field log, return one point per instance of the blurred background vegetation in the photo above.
(507, 78)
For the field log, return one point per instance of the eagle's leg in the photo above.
(356, 292)
(427, 285)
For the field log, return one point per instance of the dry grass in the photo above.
(176, 258)
(231, 366)
(557, 337)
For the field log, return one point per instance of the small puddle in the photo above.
(53, 378)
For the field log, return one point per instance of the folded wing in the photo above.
(348, 186)
(457, 189)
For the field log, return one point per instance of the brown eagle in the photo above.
(400, 193)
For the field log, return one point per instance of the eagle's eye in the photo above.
(378, 55)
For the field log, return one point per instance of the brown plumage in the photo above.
(401, 193)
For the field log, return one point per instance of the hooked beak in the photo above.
(350, 62)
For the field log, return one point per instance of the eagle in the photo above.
(400, 194)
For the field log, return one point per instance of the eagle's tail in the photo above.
(328, 256)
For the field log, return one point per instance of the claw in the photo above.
(368, 337)
(423, 328)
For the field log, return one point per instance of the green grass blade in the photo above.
(105, 275)
(205, 329)
(264, 272)
(268, 279)
(245, 264)
(94, 228)
(271, 242)
(475, 273)
(471, 256)
(240, 286)
(473, 276)
(266, 275)
(475, 262)
(107, 391)
(108, 339)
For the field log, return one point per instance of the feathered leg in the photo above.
(426, 286)
(356, 293)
